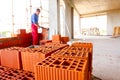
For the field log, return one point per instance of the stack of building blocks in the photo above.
(50, 48)
(60, 65)
(64, 40)
(15, 74)
(75, 52)
(54, 68)
(56, 38)
(116, 31)
(51, 61)
(70, 53)
(59, 39)
(31, 56)
(11, 57)
(82, 44)
(86, 47)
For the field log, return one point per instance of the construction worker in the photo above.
(35, 26)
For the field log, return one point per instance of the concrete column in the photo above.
(80, 27)
(54, 17)
(62, 21)
(72, 23)
(68, 20)
(77, 25)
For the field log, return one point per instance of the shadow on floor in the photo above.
(95, 78)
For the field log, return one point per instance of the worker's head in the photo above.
(37, 11)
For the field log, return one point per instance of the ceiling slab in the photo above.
(86, 7)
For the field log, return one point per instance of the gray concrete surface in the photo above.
(106, 57)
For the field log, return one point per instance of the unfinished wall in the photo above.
(113, 19)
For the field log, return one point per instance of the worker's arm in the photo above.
(36, 24)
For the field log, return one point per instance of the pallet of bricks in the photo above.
(26, 58)
(31, 56)
(11, 65)
(116, 31)
(71, 63)
(85, 47)
(7, 73)
(11, 57)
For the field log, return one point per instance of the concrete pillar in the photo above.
(77, 25)
(54, 17)
(72, 23)
(80, 27)
(68, 20)
(62, 21)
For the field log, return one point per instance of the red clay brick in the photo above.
(62, 69)
(11, 57)
(75, 52)
(82, 44)
(56, 38)
(87, 47)
(64, 39)
(14, 74)
(31, 56)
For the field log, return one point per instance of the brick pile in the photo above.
(71, 63)
(31, 56)
(51, 61)
(15, 74)
(53, 68)
(11, 57)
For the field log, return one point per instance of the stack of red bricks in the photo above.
(25, 58)
(52, 61)
(25, 39)
(58, 68)
(7, 42)
(31, 56)
(87, 47)
(70, 63)
(11, 57)
(22, 39)
(59, 39)
(7, 73)
(56, 38)
(116, 31)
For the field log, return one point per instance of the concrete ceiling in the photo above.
(89, 7)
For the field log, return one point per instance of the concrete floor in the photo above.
(106, 57)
